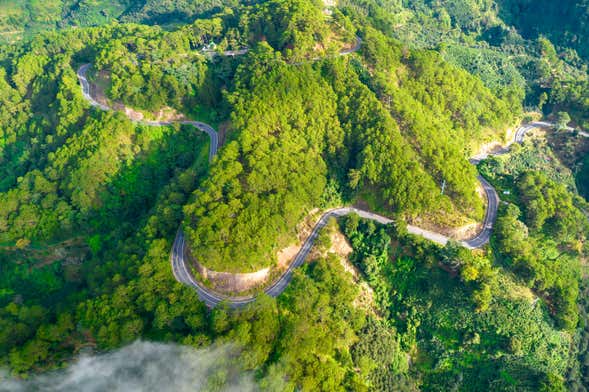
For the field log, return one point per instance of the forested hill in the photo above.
(566, 23)
(516, 47)
(397, 153)
(388, 127)
(289, 140)
(90, 201)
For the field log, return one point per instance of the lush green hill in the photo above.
(500, 41)
(390, 137)
(90, 202)
(504, 43)
(566, 23)
(418, 114)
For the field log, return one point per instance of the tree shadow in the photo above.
(128, 196)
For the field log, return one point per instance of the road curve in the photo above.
(82, 71)
(211, 298)
(490, 215)
(182, 272)
(206, 128)
(492, 198)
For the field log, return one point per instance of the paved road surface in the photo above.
(82, 71)
(206, 128)
(182, 272)
(490, 215)
(353, 49)
(211, 298)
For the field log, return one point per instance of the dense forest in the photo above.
(90, 201)
(407, 115)
(518, 48)
(23, 18)
(473, 326)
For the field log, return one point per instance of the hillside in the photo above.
(394, 155)
(319, 133)
(372, 104)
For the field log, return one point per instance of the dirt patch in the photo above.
(226, 282)
(487, 149)
(341, 247)
(98, 87)
(365, 299)
(466, 232)
(286, 255)
(232, 283)
(304, 228)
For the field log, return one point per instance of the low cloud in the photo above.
(144, 366)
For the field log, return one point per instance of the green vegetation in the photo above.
(466, 323)
(543, 240)
(574, 97)
(72, 172)
(583, 177)
(303, 338)
(506, 43)
(68, 171)
(566, 24)
(24, 18)
(322, 121)
(90, 202)
(534, 154)
(264, 181)
(578, 376)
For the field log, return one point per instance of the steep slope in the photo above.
(398, 135)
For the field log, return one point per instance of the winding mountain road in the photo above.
(206, 128)
(180, 266)
(211, 298)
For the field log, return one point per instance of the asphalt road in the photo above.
(180, 266)
(493, 199)
(490, 215)
(353, 49)
(82, 71)
(206, 128)
(211, 298)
